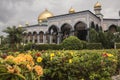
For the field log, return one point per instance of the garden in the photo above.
(73, 59)
(60, 65)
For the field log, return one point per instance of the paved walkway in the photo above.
(116, 77)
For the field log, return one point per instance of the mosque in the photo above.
(54, 29)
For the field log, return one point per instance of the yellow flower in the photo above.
(51, 58)
(70, 60)
(110, 55)
(38, 70)
(52, 55)
(39, 59)
(71, 53)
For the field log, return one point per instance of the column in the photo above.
(50, 38)
(28, 39)
(44, 38)
(87, 37)
(58, 39)
(38, 39)
(33, 39)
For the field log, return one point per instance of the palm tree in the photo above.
(14, 36)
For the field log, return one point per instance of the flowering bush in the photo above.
(60, 65)
(20, 67)
(79, 65)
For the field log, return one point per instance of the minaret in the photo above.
(97, 9)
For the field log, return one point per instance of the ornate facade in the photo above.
(54, 29)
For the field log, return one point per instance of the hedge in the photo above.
(94, 46)
(117, 45)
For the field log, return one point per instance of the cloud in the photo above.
(14, 12)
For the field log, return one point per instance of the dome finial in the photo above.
(97, 5)
(71, 10)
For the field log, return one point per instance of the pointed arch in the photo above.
(30, 36)
(112, 28)
(41, 34)
(53, 31)
(65, 30)
(80, 30)
(35, 36)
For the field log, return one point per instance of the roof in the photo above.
(74, 13)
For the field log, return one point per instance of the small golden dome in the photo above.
(44, 15)
(71, 10)
(27, 24)
(19, 25)
(97, 5)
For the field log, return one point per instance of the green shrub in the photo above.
(42, 47)
(94, 46)
(72, 43)
(117, 45)
(79, 65)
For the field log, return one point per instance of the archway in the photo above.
(30, 36)
(65, 30)
(112, 28)
(35, 37)
(53, 31)
(80, 30)
(41, 34)
(25, 35)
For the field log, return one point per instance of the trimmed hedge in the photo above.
(42, 47)
(117, 45)
(73, 43)
(94, 46)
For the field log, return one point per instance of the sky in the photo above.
(15, 12)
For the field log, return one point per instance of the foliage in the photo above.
(72, 43)
(79, 65)
(15, 36)
(93, 36)
(117, 45)
(94, 46)
(40, 47)
(107, 39)
(69, 64)
(19, 67)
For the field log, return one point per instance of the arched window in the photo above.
(41, 36)
(113, 28)
(30, 36)
(66, 29)
(53, 31)
(35, 37)
(80, 30)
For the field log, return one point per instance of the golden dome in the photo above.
(20, 25)
(44, 15)
(27, 24)
(71, 10)
(97, 5)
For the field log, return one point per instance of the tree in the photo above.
(14, 36)
(73, 43)
(93, 36)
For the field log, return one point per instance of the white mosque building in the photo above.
(54, 29)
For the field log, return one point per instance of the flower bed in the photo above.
(19, 67)
(70, 64)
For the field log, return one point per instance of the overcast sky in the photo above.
(15, 12)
